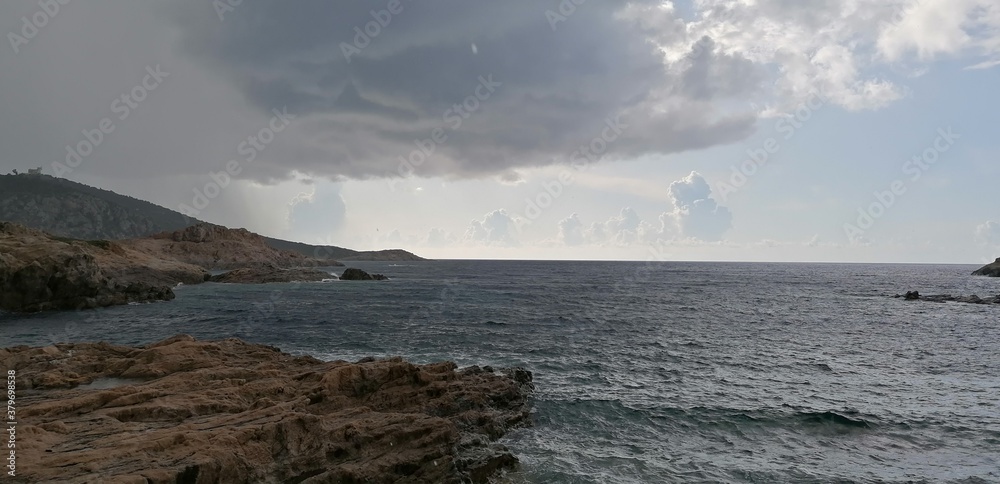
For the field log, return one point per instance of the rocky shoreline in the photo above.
(192, 411)
(41, 272)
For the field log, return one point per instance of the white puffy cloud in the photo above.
(496, 228)
(696, 213)
(624, 229)
(571, 230)
(845, 49)
(933, 28)
(437, 237)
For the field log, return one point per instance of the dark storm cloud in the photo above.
(364, 99)
(484, 86)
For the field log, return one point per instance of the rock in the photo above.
(39, 272)
(353, 274)
(942, 298)
(228, 411)
(990, 270)
(216, 247)
(68, 209)
(388, 255)
(270, 274)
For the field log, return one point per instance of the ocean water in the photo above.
(653, 372)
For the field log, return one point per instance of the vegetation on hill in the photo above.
(66, 208)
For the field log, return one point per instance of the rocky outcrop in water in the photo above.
(940, 298)
(991, 270)
(270, 274)
(227, 411)
(39, 272)
(353, 274)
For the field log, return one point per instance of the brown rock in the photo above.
(269, 274)
(217, 247)
(227, 411)
(39, 272)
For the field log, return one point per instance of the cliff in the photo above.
(40, 272)
(991, 270)
(228, 411)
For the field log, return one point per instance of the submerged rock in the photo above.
(353, 274)
(228, 411)
(973, 299)
(991, 270)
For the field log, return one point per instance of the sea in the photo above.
(652, 372)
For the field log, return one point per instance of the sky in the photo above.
(742, 130)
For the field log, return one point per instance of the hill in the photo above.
(69, 209)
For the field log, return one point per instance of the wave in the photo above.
(833, 418)
(796, 419)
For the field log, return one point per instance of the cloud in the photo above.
(845, 49)
(541, 93)
(437, 237)
(571, 230)
(988, 233)
(696, 214)
(497, 228)
(526, 96)
(934, 28)
(673, 80)
(625, 229)
(317, 214)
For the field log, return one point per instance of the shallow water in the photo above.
(663, 372)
